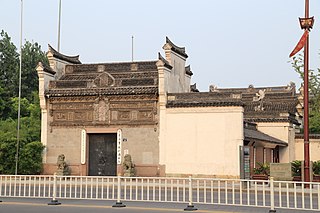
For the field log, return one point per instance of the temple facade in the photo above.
(95, 114)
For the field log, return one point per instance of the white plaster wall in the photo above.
(285, 132)
(314, 148)
(44, 79)
(277, 130)
(202, 141)
(177, 79)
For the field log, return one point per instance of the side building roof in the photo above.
(201, 99)
(265, 104)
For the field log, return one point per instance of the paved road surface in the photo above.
(18, 205)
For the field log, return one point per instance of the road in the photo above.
(24, 205)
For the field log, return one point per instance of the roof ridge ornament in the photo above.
(70, 59)
(260, 95)
(180, 50)
(188, 70)
(166, 63)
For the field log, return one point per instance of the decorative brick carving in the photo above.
(145, 115)
(124, 115)
(104, 80)
(102, 110)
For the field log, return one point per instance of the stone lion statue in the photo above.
(62, 167)
(128, 166)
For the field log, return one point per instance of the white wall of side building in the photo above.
(285, 132)
(314, 148)
(195, 141)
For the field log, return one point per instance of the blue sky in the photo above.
(230, 43)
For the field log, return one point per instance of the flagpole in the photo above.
(19, 99)
(306, 102)
(59, 24)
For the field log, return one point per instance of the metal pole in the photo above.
(190, 206)
(19, 98)
(118, 202)
(272, 209)
(59, 23)
(54, 200)
(132, 48)
(306, 103)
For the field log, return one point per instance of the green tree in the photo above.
(314, 89)
(30, 159)
(30, 162)
(9, 66)
(30, 148)
(31, 56)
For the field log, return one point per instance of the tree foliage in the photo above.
(9, 66)
(31, 55)
(314, 91)
(30, 158)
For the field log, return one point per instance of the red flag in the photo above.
(300, 44)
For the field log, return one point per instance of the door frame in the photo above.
(117, 131)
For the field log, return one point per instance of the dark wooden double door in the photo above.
(103, 154)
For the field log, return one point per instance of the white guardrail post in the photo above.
(119, 203)
(190, 206)
(54, 201)
(272, 195)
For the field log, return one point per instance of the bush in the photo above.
(316, 167)
(7, 156)
(296, 168)
(30, 161)
(263, 169)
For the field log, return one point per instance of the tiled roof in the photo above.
(107, 78)
(176, 100)
(265, 104)
(113, 67)
(102, 91)
(70, 59)
(256, 134)
(311, 136)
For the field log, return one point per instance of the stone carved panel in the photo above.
(67, 113)
(69, 69)
(114, 115)
(104, 80)
(124, 115)
(101, 110)
(66, 117)
(131, 105)
(101, 68)
(60, 116)
(72, 106)
(134, 115)
(145, 115)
